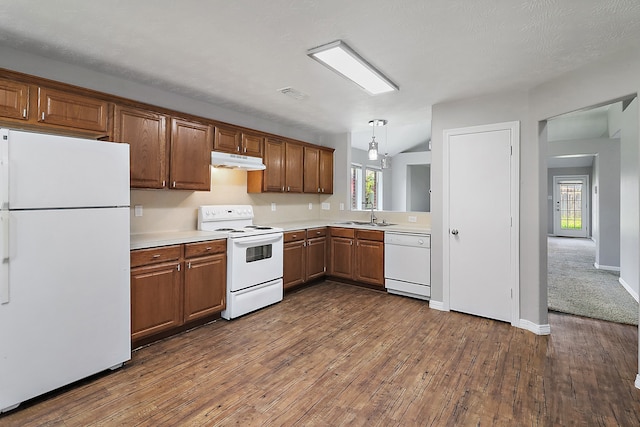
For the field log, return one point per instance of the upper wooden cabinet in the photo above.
(14, 100)
(294, 167)
(75, 111)
(318, 170)
(189, 168)
(146, 134)
(251, 144)
(326, 171)
(227, 139)
(233, 140)
(272, 179)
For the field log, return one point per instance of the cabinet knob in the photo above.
(208, 248)
(42, 115)
(24, 113)
(156, 256)
(454, 231)
(174, 184)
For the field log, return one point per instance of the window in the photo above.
(366, 187)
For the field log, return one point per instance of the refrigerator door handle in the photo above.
(4, 169)
(4, 263)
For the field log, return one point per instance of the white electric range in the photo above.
(254, 257)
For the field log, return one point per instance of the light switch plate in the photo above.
(310, 206)
(326, 206)
(137, 210)
(273, 207)
(413, 218)
(341, 206)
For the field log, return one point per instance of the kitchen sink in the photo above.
(375, 224)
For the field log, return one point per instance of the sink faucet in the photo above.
(373, 215)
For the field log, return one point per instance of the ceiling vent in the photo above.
(293, 93)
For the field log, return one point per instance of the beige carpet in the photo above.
(577, 287)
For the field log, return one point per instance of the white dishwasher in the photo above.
(407, 264)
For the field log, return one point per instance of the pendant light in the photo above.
(386, 159)
(373, 145)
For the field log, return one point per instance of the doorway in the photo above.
(570, 204)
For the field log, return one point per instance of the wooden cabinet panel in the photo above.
(294, 263)
(326, 171)
(316, 232)
(227, 139)
(14, 100)
(252, 144)
(155, 255)
(294, 164)
(189, 168)
(156, 299)
(71, 110)
(311, 170)
(291, 236)
(342, 257)
(205, 281)
(146, 134)
(369, 262)
(209, 247)
(316, 258)
(272, 178)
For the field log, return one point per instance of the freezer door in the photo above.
(68, 314)
(49, 171)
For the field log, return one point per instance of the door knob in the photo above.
(454, 232)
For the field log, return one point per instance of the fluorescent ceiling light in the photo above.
(345, 61)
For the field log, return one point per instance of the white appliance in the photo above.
(64, 276)
(236, 161)
(254, 258)
(407, 264)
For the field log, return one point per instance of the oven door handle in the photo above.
(265, 239)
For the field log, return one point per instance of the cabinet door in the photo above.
(252, 144)
(369, 262)
(341, 263)
(75, 111)
(14, 100)
(146, 134)
(190, 168)
(227, 139)
(294, 155)
(156, 299)
(311, 170)
(294, 263)
(326, 171)
(205, 286)
(274, 160)
(316, 258)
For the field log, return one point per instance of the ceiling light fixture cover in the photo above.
(339, 57)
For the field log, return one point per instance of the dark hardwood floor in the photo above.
(335, 354)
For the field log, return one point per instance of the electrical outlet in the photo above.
(326, 206)
(413, 218)
(137, 210)
(273, 207)
(310, 206)
(341, 206)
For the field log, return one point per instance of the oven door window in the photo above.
(258, 253)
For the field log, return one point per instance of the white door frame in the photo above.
(586, 193)
(514, 128)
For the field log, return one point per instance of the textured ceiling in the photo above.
(236, 54)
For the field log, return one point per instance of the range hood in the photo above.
(236, 161)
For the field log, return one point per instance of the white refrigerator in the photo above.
(64, 279)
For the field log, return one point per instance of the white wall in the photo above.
(418, 186)
(399, 174)
(629, 199)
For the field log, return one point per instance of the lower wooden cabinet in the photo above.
(357, 254)
(304, 256)
(174, 285)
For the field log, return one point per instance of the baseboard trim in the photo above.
(633, 293)
(535, 328)
(437, 305)
(637, 383)
(605, 267)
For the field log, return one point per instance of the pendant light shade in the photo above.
(373, 149)
(386, 161)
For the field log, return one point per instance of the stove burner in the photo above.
(231, 230)
(236, 231)
(258, 227)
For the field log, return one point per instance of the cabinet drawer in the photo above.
(292, 236)
(377, 236)
(316, 232)
(209, 247)
(155, 255)
(342, 232)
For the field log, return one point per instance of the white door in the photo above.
(480, 220)
(570, 215)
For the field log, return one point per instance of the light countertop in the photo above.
(166, 238)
